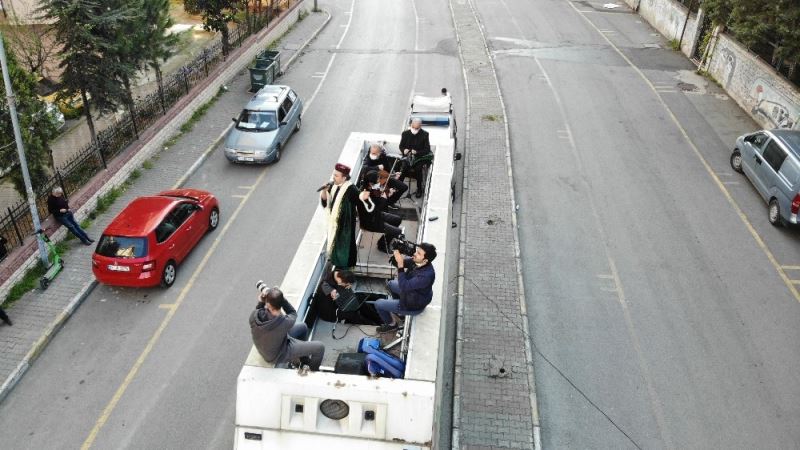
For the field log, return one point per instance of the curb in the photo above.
(77, 300)
(45, 338)
(199, 162)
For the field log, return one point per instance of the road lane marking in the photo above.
(333, 57)
(795, 281)
(790, 267)
(654, 400)
(737, 209)
(245, 187)
(104, 416)
(167, 306)
(171, 311)
(239, 196)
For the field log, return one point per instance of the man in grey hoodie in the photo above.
(276, 335)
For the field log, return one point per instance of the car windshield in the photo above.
(122, 247)
(257, 121)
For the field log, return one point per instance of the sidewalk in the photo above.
(494, 400)
(40, 314)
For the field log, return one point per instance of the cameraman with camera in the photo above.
(412, 291)
(277, 336)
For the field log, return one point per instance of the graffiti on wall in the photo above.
(773, 106)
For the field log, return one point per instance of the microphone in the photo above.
(325, 186)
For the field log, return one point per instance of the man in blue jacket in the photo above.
(412, 291)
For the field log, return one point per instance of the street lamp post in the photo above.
(23, 164)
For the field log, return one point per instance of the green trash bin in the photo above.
(262, 76)
(264, 58)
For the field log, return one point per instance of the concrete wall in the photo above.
(755, 85)
(157, 142)
(669, 17)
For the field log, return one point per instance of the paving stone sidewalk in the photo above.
(494, 404)
(39, 314)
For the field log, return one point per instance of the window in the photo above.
(286, 106)
(182, 212)
(122, 247)
(257, 121)
(774, 155)
(165, 229)
(757, 139)
(790, 171)
(292, 96)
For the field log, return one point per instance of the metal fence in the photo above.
(16, 223)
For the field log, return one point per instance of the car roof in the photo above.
(790, 139)
(268, 97)
(141, 216)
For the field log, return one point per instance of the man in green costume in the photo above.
(339, 200)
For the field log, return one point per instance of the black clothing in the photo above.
(56, 204)
(419, 142)
(325, 305)
(378, 220)
(4, 317)
(399, 187)
(372, 164)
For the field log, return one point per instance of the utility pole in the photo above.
(23, 164)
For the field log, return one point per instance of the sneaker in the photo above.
(387, 327)
(418, 194)
(392, 206)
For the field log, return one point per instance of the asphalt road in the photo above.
(653, 279)
(183, 393)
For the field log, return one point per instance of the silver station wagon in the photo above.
(264, 126)
(771, 160)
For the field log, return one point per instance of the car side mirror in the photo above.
(198, 207)
(284, 123)
(233, 119)
(457, 157)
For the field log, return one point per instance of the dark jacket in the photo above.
(416, 286)
(56, 204)
(372, 164)
(270, 333)
(419, 142)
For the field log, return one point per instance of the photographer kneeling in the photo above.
(412, 291)
(276, 335)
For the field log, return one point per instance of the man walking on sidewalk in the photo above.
(59, 208)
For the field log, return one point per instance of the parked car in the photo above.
(264, 126)
(771, 160)
(146, 242)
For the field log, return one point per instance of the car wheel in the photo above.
(213, 219)
(168, 274)
(736, 160)
(298, 124)
(774, 213)
(277, 154)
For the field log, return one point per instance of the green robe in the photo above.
(342, 250)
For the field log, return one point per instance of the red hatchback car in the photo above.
(144, 244)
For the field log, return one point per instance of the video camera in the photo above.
(404, 246)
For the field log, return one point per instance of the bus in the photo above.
(279, 407)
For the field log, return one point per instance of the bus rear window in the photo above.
(122, 247)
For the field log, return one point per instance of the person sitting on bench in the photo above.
(276, 335)
(412, 291)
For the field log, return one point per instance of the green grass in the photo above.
(148, 164)
(29, 281)
(675, 45)
(189, 124)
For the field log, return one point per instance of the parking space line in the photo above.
(790, 267)
(167, 306)
(238, 196)
(737, 209)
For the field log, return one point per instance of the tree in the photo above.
(37, 127)
(88, 31)
(216, 16)
(761, 22)
(33, 45)
(159, 46)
